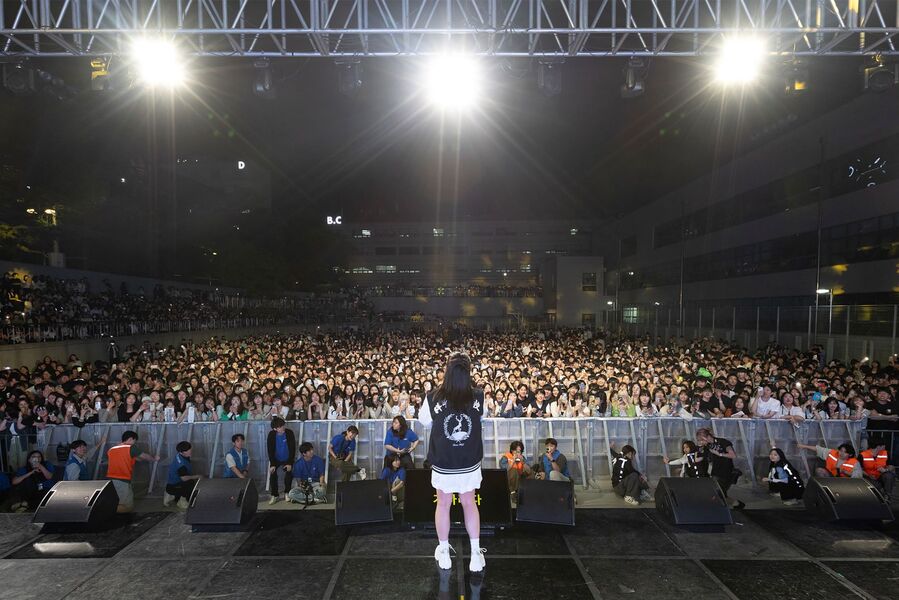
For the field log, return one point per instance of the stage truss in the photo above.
(539, 28)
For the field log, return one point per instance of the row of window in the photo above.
(463, 250)
(861, 168)
(440, 232)
(866, 240)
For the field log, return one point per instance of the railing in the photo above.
(847, 331)
(585, 442)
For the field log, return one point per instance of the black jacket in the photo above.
(291, 447)
(456, 444)
(621, 467)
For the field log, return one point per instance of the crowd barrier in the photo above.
(585, 442)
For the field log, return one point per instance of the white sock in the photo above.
(475, 545)
(443, 545)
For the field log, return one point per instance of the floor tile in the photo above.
(295, 533)
(776, 580)
(649, 579)
(617, 532)
(146, 579)
(294, 578)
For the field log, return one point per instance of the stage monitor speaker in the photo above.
(692, 501)
(366, 501)
(846, 499)
(231, 501)
(549, 502)
(492, 498)
(90, 503)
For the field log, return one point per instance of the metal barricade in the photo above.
(585, 442)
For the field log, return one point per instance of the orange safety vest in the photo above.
(518, 466)
(121, 463)
(846, 468)
(871, 463)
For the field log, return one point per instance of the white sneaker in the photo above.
(478, 562)
(442, 556)
(273, 500)
(182, 504)
(631, 500)
(167, 499)
(362, 474)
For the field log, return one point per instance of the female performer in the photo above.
(454, 411)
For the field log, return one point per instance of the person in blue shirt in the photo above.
(79, 455)
(181, 480)
(32, 482)
(402, 441)
(237, 459)
(309, 473)
(341, 449)
(395, 475)
(282, 449)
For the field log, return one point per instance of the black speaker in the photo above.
(91, 503)
(366, 501)
(492, 498)
(231, 501)
(692, 501)
(845, 499)
(545, 502)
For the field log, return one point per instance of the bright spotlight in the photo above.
(158, 63)
(454, 81)
(740, 60)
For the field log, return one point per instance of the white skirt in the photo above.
(456, 484)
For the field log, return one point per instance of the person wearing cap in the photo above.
(120, 470)
(876, 468)
(181, 481)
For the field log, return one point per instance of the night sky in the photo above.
(386, 155)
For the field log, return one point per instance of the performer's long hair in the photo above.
(456, 385)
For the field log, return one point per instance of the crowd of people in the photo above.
(41, 308)
(387, 375)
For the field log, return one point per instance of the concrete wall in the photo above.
(571, 301)
(461, 307)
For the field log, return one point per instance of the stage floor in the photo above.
(610, 553)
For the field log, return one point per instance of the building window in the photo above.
(366, 233)
(588, 282)
(409, 250)
(588, 319)
(385, 268)
(385, 251)
(573, 231)
(630, 314)
(438, 231)
(361, 270)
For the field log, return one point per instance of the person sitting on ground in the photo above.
(552, 464)
(627, 481)
(120, 468)
(400, 439)
(76, 466)
(282, 448)
(181, 481)
(309, 473)
(876, 469)
(237, 460)
(341, 449)
(692, 463)
(516, 465)
(837, 463)
(395, 475)
(32, 482)
(783, 480)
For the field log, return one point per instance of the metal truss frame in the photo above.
(538, 28)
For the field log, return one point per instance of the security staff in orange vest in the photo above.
(516, 466)
(877, 471)
(837, 463)
(120, 460)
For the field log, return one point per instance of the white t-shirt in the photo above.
(764, 408)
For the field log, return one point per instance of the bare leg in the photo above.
(472, 516)
(442, 516)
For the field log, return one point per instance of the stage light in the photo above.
(453, 81)
(880, 75)
(740, 60)
(157, 63)
(634, 75)
(821, 291)
(795, 77)
(49, 211)
(264, 85)
(31, 211)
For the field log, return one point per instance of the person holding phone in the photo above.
(32, 482)
(516, 465)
